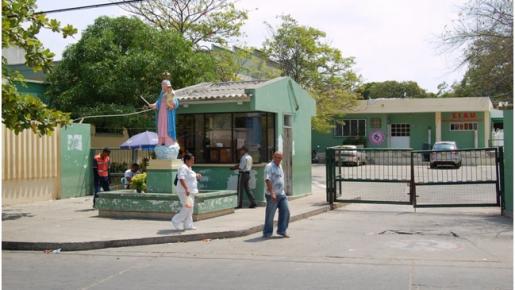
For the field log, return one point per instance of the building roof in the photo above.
(422, 105)
(225, 91)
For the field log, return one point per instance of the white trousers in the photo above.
(185, 216)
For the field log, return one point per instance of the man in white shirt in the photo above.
(244, 168)
(129, 174)
(275, 198)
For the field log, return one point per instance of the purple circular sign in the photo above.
(376, 137)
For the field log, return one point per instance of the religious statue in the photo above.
(166, 106)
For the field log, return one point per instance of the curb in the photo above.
(95, 245)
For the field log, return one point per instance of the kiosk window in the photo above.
(216, 138)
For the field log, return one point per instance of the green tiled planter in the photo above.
(161, 181)
(160, 175)
(128, 204)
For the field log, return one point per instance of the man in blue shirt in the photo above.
(275, 198)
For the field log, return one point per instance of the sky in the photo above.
(389, 40)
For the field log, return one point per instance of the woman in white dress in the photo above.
(186, 189)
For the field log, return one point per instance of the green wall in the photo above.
(464, 139)
(508, 162)
(284, 96)
(76, 171)
(33, 89)
(419, 124)
(221, 177)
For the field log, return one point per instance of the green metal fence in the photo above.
(470, 177)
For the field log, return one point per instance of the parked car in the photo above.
(449, 157)
(350, 155)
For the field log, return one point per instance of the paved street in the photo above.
(355, 247)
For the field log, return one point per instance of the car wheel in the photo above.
(432, 166)
(458, 165)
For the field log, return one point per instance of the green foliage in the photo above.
(211, 21)
(139, 181)
(392, 89)
(303, 55)
(230, 65)
(116, 61)
(20, 25)
(485, 29)
(118, 167)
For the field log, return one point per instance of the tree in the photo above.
(485, 30)
(116, 61)
(20, 25)
(243, 63)
(303, 55)
(392, 89)
(211, 21)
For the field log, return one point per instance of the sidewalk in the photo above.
(72, 224)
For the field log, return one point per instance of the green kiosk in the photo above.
(213, 121)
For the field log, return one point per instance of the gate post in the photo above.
(330, 175)
(413, 188)
(500, 176)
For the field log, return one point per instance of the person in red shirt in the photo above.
(101, 164)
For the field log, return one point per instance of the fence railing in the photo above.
(418, 177)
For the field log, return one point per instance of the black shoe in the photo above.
(252, 206)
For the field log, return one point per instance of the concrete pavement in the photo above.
(359, 246)
(72, 224)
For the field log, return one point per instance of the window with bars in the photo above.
(463, 126)
(350, 128)
(400, 130)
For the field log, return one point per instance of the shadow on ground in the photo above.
(7, 216)
(168, 232)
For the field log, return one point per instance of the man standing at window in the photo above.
(244, 168)
(275, 198)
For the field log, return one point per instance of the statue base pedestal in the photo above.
(161, 174)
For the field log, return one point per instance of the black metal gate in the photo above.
(470, 177)
(369, 175)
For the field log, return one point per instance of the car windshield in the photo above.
(444, 146)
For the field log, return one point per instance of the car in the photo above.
(349, 154)
(448, 157)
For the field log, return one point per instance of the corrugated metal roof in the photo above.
(427, 105)
(218, 91)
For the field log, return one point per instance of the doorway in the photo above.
(400, 136)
